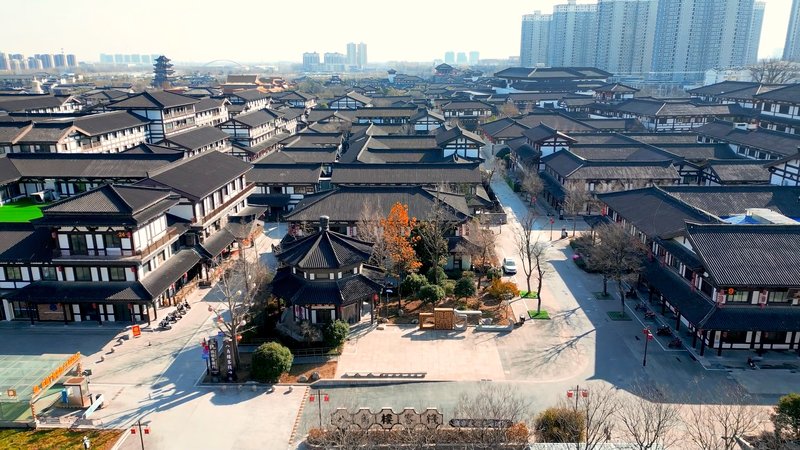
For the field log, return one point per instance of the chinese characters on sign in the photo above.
(227, 350)
(386, 418)
(213, 356)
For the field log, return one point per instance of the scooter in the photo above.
(164, 325)
(675, 343)
(649, 315)
(187, 305)
(664, 331)
(640, 307)
(751, 363)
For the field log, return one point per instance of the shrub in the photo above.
(465, 287)
(413, 283)
(787, 417)
(449, 287)
(436, 275)
(494, 273)
(269, 361)
(335, 333)
(559, 425)
(500, 289)
(431, 293)
(467, 274)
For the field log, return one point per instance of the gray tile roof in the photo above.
(21, 242)
(256, 118)
(196, 138)
(346, 203)
(111, 204)
(96, 124)
(88, 166)
(21, 103)
(424, 174)
(284, 174)
(654, 212)
(748, 256)
(740, 171)
(772, 141)
(726, 201)
(344, 291)
(11, 131)
(200, 175)
(153, 100)
(325, 250)
(786, 94)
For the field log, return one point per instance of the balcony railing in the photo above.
(236, 198)
(171, 233)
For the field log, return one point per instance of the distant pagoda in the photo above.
(163, 73)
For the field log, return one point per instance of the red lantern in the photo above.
(133, 430)
(325, 398)
(311, 398)
(147, 430)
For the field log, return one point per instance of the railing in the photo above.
(171, 233)
(236, 198)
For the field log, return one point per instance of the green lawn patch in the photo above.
(541, 315)
(526, 294)
(618, 315)
(601, 296)
(57, 439)
(21, 211)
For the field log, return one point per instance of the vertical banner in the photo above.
(228, 360)
(213, 356)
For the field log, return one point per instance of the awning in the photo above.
(218, 242)
(276, 200)
(157, 281)
(678, 293)
(83, 291)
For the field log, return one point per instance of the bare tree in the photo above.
(574, 203)
(240, 287)
(774, 71)
(509, 109)
(532, 184)
(528, 248)
(716, 427)
(368, 228)
(495, 401)
(432, 231)
(618, 256)
(484, 239)
(598, 408)
(648, 423)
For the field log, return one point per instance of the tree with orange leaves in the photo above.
(397, 226)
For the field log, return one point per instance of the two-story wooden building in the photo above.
(168, 113)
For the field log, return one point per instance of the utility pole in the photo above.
(318, 397)
(648, 336)
(577, 392)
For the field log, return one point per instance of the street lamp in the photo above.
(386, 303)
(577, 393)
(648, 336)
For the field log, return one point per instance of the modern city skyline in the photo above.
(791, 49)
(380, 34)
(756, 26)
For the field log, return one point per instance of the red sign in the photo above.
(552, 220)
(137, 331)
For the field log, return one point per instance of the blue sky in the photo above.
(266, 30)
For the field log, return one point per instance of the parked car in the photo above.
(509, 266)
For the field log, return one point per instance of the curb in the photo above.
(299, 416)
(346, 383)
(125, 434)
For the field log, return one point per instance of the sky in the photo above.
(262, 31)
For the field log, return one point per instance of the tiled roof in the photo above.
(200, 175)
(21, 103)
(748, 255)
(88, 166)
(772, 141)
(21, 242)
(250, 95)
(284, 174)
(346, 203)
(256, 118)
(107, 122)
(89, 291)
(654, 212)
(789, 93)
(196, 138)
(344, 291)
(153, 100)
(737, 171)
(113, 204)
(424, 174)
(726, 201)
(325, 250)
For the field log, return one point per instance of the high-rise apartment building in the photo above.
(450, 57)
(72, 61)
(626, 29)
(4, 62)
(461, 58)
(693, 36)
(59, 60)
(755, 33)
(474, 57)
(352, 54)
(535, 39)
(791, 50)
(310, 61)
(573, 35)
(362, 55)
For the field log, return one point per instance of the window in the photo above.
(49, 273)
(20, 310)
(116, 273)
(13, 273)
(77, 244)
(738, 297)
(773, 337)
(83, 274)
(734, 337)
(112, 240)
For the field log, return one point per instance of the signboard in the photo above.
(480, 423)
(57, 373)
(228, 360)
(137, 331)
(387, 419)
(213, 356)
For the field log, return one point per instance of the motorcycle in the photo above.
(164, 325)
(186, 305)
(664, 331)
(675, 343)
